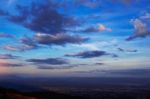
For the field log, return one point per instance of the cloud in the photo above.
(11, 48)
(127, 50)
(7, 56)
(58, 39)
(29, 42)
(90, 46)
(42, 18)
(5, 35)
(49, 61)
(9, 64)
(26, 44)
(140, 29)
(54, 67)
(96, 45)
(97, 28)
(63, 66)
(90, 54)
(18, 47)
(53, 63)
(50, 25)
(146, 16)
(99, 64)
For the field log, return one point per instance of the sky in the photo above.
(75, 38)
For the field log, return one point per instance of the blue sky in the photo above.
(75, 37)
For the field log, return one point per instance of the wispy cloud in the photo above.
(18, 47)
(90, 54)
(7, 56)
(97, 28)
(30, 43)
(56, 67)
(5, 35)
(49, 61)
(127, 50)
(97, 44)
(4, 63)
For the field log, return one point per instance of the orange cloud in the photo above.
(101, 28)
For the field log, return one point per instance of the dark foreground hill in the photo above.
(14, 94)
(74, 88)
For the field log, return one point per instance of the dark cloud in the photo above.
(54, 67)
(26, 43)
(11, 65)
(29, 42)
(7, 56)
(114, 55)
(42, 18)
(99, 64)
(54, 63)
(50, 25)
(58, 39)
(90, 29)
(127, 50)
(140, 29)
(120, 49)
(49, 61)
(90, 54)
